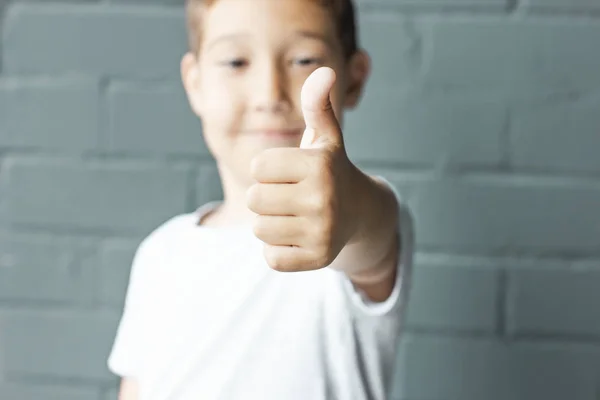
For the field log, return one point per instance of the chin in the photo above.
(271, 142)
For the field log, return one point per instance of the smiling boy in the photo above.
(291, 287)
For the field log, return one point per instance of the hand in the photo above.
(306, 198)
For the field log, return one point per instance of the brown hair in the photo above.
(343, 12)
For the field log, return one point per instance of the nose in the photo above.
(270, 93)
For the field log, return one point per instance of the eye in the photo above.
(235, 63)
(307, 61)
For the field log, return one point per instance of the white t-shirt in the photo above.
(206, 318)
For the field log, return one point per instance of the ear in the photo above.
(191, 81)
(358, 69)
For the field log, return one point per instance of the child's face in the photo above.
(246, 81)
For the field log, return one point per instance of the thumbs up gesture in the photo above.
(306, 199)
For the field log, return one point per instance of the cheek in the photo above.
(222, 108)
(294, 89)
(337, 99)
(221, 120)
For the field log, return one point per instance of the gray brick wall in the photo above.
(486, 113)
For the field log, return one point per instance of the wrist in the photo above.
(376, 208)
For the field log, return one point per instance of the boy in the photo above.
(289, 288)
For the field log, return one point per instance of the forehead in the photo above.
(267, 18)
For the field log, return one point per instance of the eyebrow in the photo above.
(301, 34)
(315, 36)
(223, 38)
(311, 35)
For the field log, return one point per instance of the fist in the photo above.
(304, 197)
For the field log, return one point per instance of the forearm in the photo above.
(128, 389)
(371, 255)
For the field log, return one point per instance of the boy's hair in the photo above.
(342, 11)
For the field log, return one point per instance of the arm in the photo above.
(371, 256)
(128, 389)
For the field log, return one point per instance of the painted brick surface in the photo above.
(484, 113)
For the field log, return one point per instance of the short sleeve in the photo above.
(377, 326)
(358, 299)
(127, 355)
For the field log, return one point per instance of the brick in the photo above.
(472, 369)
(94, 39)
(445, 5)
(208, 186)
(54, 114)
(48, 269)
(110, 394)
(426, 130)
(394, 63)
(557, 136)
(513, 56)
(115, 266)
(61, 1)
(155, 120)
(11, 391)
(3, 5)
(554, 302)
(487, 213)
(453, 298)
(561, 5)
(132, 198)
(72, 346)
(152, 2)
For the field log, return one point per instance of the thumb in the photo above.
(321, 122)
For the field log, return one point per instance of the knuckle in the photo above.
(321, 240)
(277, 264)
(323, 259)
(317, 201)
(323, 202)
(322, 231)
(275, 261)
(315, 232)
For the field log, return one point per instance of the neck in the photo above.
(234, 208)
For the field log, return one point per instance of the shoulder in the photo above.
(151, 253)
(168, 231)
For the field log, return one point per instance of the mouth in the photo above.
(277, 133)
